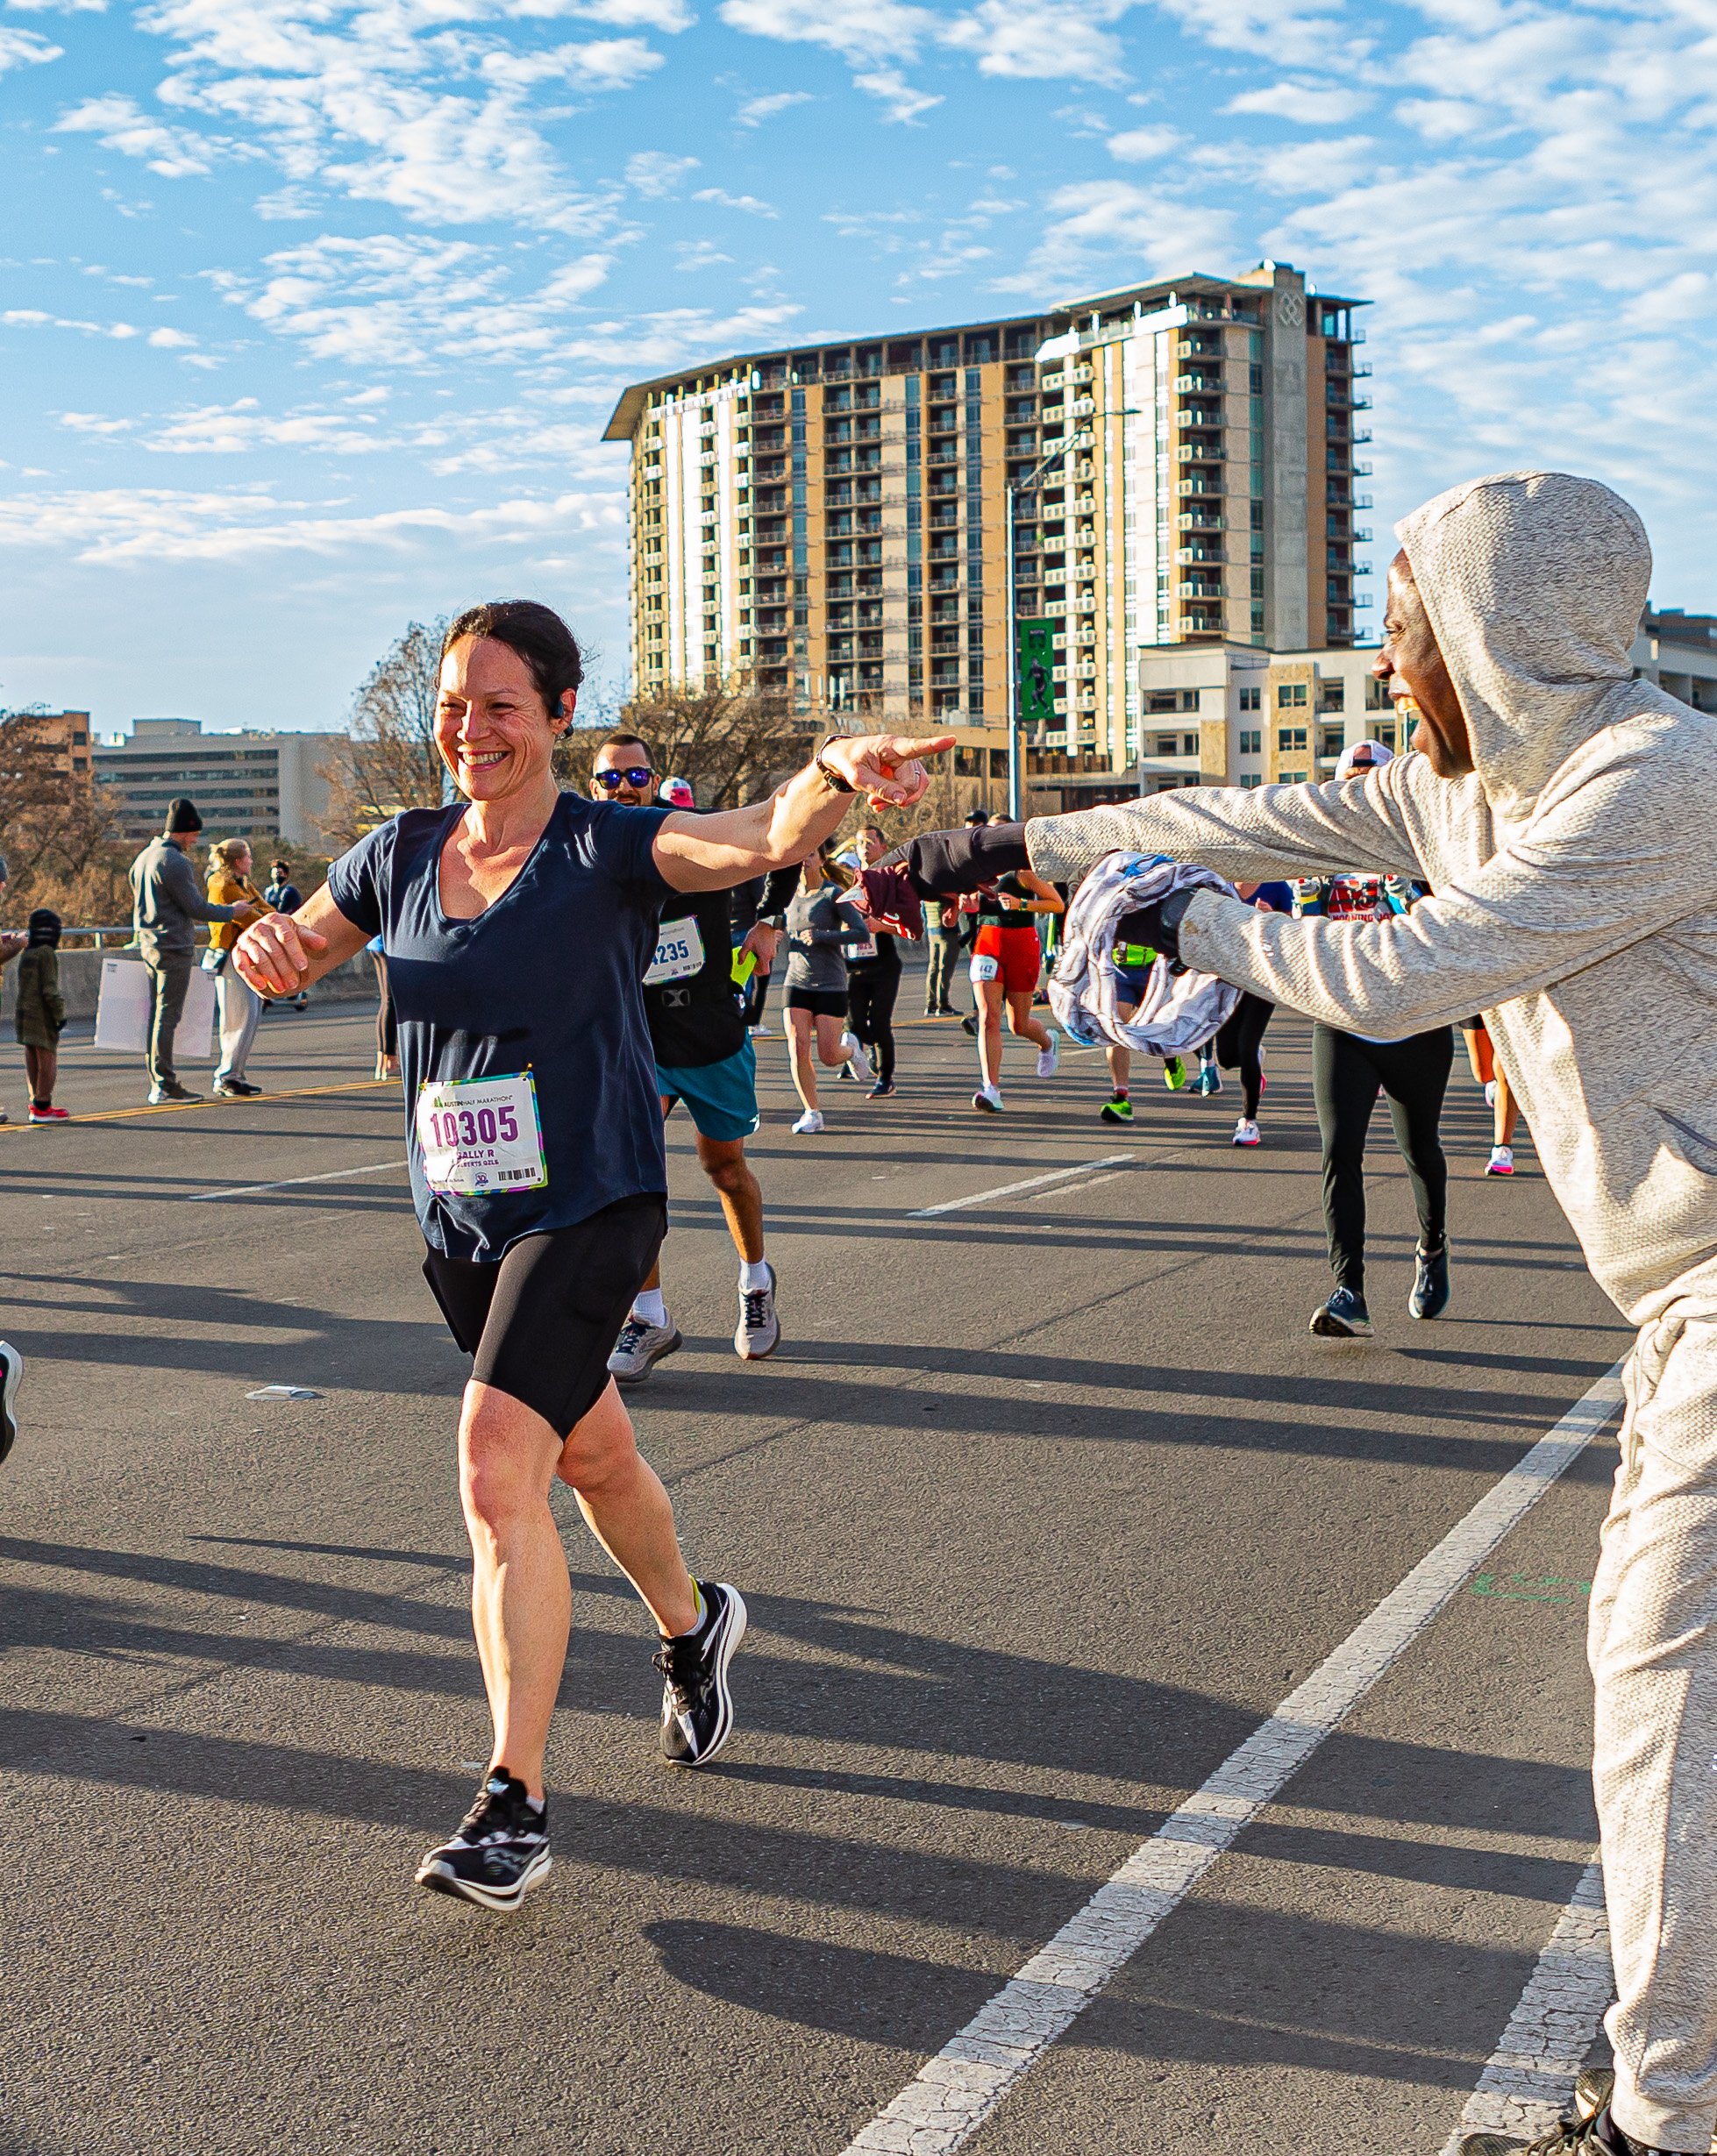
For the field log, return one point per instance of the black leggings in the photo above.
(871, 990)
(387, 1023)
(542, 1323)
(1347, 1075)
(1238, 1043)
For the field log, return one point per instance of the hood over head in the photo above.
(1534, 583)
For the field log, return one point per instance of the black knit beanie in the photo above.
(182, 816)
(44, 925)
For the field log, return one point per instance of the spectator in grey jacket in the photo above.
(818, 924)
(167, 902)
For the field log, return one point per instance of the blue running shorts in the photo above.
(722, 1096)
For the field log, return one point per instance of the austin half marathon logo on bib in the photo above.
(480, 1136)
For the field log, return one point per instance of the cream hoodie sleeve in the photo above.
(1355, 828)
(1610, 858)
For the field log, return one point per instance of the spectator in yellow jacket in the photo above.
(239, 1004)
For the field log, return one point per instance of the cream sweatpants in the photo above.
(1653, 1650)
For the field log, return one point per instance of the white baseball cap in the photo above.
(678, 793)
(1379, 752)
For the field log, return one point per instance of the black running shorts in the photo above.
(821, 1002)
(542, 1324)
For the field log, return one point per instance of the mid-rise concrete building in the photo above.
(833, 522)
(245, 785)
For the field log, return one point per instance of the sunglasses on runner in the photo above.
(636, 775)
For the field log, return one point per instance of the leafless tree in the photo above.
(730, 741)
(59, 828)
(388, 761)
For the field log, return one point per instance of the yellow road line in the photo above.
(215, 1100)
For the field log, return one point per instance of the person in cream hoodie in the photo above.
(1560, 811)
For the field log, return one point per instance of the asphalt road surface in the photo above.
(1044, 1506)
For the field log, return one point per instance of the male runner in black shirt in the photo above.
(704, 1057)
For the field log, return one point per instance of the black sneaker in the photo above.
(1429, 1298)
(500, 1853)
(1584, 2129)
(697, 1708)
(11, 1368)
(1344, 1317)
(236, 1089)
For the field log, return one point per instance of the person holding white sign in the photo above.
(519, 924)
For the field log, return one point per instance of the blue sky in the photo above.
(312, 312)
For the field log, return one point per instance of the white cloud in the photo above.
(1117, 222)
(172, 340)
(34, 318)
(668, 16)
(751, 204)
(143, 525)
(23, 48)
(1310, 103)
(176, 153)
(1044, 40)
(656, 172)
(397, 300)
(1140, 146)
(904, 102)
(607, 63)
(755, 110)
(699, 254)
(58, 7)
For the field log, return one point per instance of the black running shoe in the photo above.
(1429, 1298)
(1573, 2134)
(697, 1708)
(500, 1853)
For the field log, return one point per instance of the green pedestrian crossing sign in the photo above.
(1034, 655)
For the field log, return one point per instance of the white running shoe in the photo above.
(809, 1124)
(1490, 1093)
(758, 1332)
(1246, 1132)
(758, 1033)
(857, 1061)
(1502, 1160)
(1048, 1056)
(640, 1345)
(987, 1100)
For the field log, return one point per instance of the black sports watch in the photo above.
(771, 920)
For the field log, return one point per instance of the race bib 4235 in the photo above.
(480, 1136)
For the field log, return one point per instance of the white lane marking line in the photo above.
(1011, 1190)
(330, 1175)
(1531, 2073)
(957, 2090)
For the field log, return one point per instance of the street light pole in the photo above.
(1026, 486)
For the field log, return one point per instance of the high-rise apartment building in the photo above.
(833, 522)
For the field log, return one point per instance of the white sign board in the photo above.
(127, 999)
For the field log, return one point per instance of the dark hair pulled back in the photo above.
(536, 633)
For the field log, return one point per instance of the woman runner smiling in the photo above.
(518, 927)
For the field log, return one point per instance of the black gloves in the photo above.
(940, 865)
(1157, 927)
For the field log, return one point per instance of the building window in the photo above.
(1291, 741)
(1332, 695)
(1290, 692)
(1251, 699)
(1251, 739)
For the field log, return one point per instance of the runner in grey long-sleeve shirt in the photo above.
(1561, 813)
(167, 902)
(818, 924)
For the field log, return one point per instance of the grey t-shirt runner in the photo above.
(818, 923)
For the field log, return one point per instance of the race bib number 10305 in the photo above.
(480, 1136)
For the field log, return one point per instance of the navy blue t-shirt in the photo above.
(548, 979)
